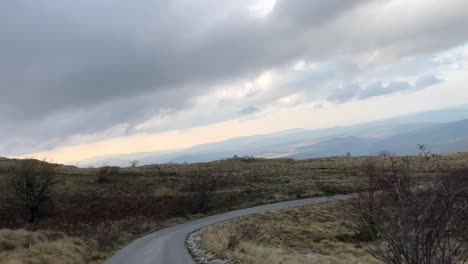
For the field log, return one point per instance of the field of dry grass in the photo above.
(22, 246)
(134, 201)
(26, 247)
(273, 176)
(309, 234)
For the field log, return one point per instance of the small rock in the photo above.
(200, 255)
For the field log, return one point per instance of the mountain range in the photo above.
(442, 131)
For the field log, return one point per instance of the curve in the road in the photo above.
(167, 246)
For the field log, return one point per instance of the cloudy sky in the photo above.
(93, 77)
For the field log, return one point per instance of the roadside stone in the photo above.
(200, 255)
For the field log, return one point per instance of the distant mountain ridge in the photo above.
(443, 131)
(442, 138)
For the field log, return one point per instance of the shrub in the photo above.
(298, 191)
(415, 223)
(107, 234)
(328, 188)
(103, 174)
(203, 186)
(236, 233)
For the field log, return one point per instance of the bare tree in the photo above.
(32, 185)
(415, 224)
(363, 209)
(134, 163)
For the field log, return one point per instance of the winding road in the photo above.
(167, 246)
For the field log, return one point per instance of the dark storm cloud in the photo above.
(74, 67)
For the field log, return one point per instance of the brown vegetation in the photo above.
(107, 207)
(26, 247)
(412, 210)
(104, 174)
(309, 234)
(413, 219)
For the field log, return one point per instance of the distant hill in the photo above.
(441, 138)
(443, 131)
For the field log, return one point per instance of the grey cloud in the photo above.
(426, 81)
(345, 94)
(378, 89)
(318, 106)
(76, 67)
(249, 110)
(63, 55)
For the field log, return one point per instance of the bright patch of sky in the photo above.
(261, 8)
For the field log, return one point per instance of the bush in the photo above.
(203, 186)
(327, 188)
(424, 223)
(107, 234)
(238, 233)
(298, 191)
(103, 174)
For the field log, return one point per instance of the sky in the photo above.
(87, 78)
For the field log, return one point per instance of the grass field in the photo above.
(276, 176)
(107, 214)
(22, 246)
(309, 234)
(134, 201)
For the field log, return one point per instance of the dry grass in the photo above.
(143, 199)
(136, 201)
(279, 178)
(25, 247)
(272, 178)
(298, 235)
(20, 246)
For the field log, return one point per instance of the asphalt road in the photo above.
(167, 246)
